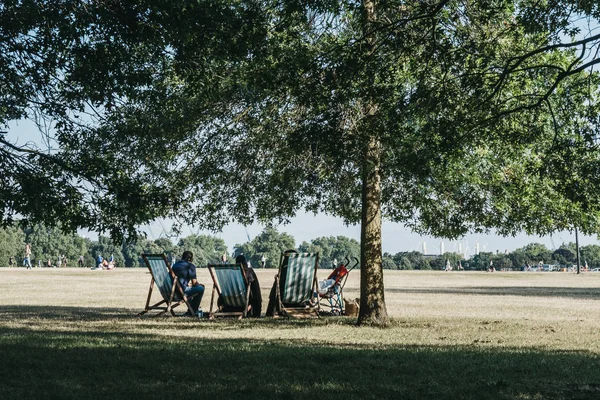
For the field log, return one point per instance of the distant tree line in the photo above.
(532, 254)
(51, 244)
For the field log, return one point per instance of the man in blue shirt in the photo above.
(186, 274)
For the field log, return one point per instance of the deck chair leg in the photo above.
(148, 299)
(279, 305)
(212, 301)
(186, 300)
(172, 296)
(150, 293)
(315, 286)
(246, 305)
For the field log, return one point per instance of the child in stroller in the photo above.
(330, 289)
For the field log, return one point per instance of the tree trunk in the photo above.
(372, 300)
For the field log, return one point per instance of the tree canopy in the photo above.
(447, 116)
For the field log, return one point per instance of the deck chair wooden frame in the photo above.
(239, 285)
(168, 285)
(305, 301)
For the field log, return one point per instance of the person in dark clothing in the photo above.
(255, 295)
(186, 274)
(272, 306)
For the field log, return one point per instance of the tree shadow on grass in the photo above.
(58, 314)
(89, 363)
(64, 313)
(566, 292)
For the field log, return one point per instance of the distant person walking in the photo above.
(99, 261)
(111, 262)
(27, 258)
(80, 262)
(11, 262)
(263, 261)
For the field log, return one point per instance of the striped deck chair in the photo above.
(231, 285)
(165, 279)
(296, 283)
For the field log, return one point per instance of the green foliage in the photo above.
(12, 244)
(333, 248)
(591, 254)
(564, 256)
(503, 263)
(536, 252)
(106, 248)
(412, 260)
(519, 258)
(270, 244)
(481, 261)
(440, 263)
(468, 99)
(52, 244)
(388, 262)
(462, 116)
(131, 253)
(206, 249)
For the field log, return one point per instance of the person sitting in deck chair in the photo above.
(186, 273)
(273, 295)
(255, 295)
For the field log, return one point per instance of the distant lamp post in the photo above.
(577, 250)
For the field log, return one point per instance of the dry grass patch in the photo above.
(74, 334)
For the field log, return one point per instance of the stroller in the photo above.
(330, 290)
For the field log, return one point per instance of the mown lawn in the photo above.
(73, 334)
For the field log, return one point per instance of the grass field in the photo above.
(73, 334)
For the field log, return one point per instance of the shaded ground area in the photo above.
(73, 334)
(75, 359)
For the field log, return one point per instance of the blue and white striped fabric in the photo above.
(298, 286)
(232, 284)
(161, 275)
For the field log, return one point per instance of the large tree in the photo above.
(448, 116)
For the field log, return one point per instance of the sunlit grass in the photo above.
(73, 334)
